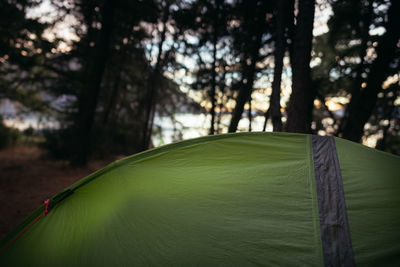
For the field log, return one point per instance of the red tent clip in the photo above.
(47, 202)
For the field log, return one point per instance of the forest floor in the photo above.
(28, 178)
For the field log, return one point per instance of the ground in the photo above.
(28, 178)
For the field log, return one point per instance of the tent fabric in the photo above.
(335, 233)
(371, 184)
(229, 200)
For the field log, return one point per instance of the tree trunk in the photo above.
(389, 113)
(360, 108)
(152, 90)
(243, 97)
(360, 69)
(94, 74)
(246, 85)
(113, 99)
(249, 114)
(266, 116)
(221, 104)
(280, 47)
(213, 81)
(300, 103)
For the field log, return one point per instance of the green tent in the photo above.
(270, 199)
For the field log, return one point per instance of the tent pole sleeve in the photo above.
(335, 233)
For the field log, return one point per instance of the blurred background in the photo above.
(83, 83)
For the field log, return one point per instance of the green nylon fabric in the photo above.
(371, 183)
(228, 200)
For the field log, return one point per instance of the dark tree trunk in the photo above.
(149, 109)
(94, 74)
(300, 103)
(266, 116)
(152, 90)
(389, 113)
(242, 98)
(360, 108)
(250, 117)
(246, 86)
(214, 72)
(213, 81)
(221, 104)
(280, 47)
(356, 85)
(113, 99)
(88, 10)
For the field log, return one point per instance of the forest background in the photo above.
(94, 78)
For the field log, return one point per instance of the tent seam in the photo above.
(313, 191)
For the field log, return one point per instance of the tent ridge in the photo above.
(157, 150)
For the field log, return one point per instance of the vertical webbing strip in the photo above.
(335, 234)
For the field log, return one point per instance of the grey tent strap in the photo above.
(335, 233)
